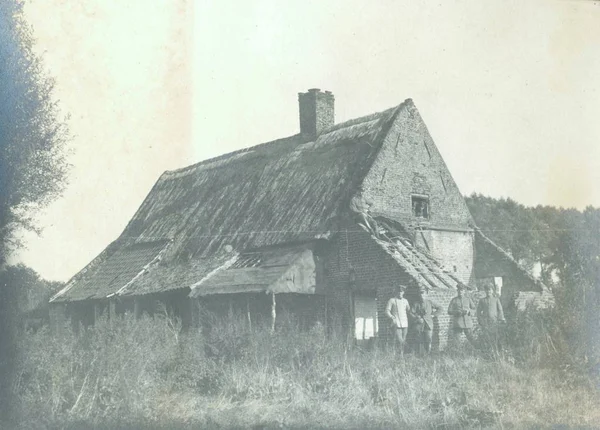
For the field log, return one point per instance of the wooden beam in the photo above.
(273, 312)
(137, 307)
(326, 322)
(111, 311)
(248, 312)
(97, 312)
(352, 328)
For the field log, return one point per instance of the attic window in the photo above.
(420, 206)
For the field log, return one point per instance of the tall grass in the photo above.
(126, 373)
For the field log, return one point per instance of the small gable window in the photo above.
(420, 206)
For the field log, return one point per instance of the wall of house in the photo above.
(86, 312)
(453, 249)
(409, 164)
(354, 265)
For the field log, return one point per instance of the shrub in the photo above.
(109, 370)
(126, 371)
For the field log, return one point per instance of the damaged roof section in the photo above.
(166, 276)
(108, 277)
(423, 268)
(427, 272)
(277, 271)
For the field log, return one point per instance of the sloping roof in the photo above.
(396, 240)
(278, 192)
(165, 276)
(112, 274)
(422, 267)
(285, 191)
(480, 236)
(281, 271)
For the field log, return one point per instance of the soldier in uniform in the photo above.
(462, 309)
(423, 312)
(397, 310)
(489, 315)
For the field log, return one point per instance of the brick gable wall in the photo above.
(408, 164)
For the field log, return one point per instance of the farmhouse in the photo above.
(270, 230)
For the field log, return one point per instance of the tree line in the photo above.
(565, 243)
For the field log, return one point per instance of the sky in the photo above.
(508, 90)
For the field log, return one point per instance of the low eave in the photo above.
(281, 271)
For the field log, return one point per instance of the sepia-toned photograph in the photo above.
(299, 215)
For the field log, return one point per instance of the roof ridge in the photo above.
(362, 119)
(348, 123)
(229, 154)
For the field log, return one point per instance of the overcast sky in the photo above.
(509, 91)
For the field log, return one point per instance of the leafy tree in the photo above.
(32, 161)
(511, 225)
(32, 133)
(577, 258)
(31, 291)
(566, 242)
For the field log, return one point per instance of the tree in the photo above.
(565, 242)
(577, 259)
(511, 225)
(31, 291)
(32, 133)
(32, 162)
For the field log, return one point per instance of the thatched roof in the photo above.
(115, 272)
(280, 192)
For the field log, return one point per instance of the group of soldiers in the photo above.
(462, 309)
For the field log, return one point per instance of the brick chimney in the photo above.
(316, 112)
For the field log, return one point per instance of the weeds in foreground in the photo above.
(144, 371)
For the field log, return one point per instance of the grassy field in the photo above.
(145, 374)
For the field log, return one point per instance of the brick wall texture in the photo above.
(409, 164)
(355, 264)
(316, 112)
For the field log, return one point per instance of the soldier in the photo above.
(360, 205)
(397, 311)
(423, 311)
(462, 309)
(489, 314)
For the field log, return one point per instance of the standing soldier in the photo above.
(397, 311)
(489, 314)
(423, 311)
(462, 309)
